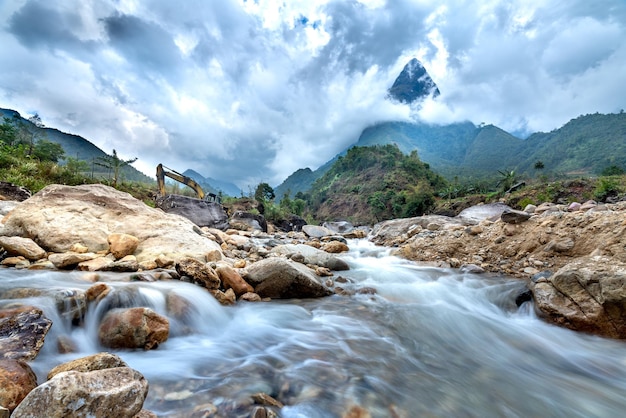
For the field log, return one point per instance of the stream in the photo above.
(430, 342)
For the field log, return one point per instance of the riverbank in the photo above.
(573, 258)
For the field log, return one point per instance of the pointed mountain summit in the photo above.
(413, 84)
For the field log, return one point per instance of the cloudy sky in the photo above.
(251, 90)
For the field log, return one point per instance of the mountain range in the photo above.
(584, 146)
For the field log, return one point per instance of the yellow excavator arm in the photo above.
(162, 172)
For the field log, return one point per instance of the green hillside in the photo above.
(76, 147)
(585, 145)
(370, 184)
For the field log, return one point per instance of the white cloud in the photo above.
(251, 91)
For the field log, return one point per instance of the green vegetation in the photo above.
(28, 159)
(370, 184)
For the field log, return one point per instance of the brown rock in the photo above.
(233, 280)
(560, 245)
(97, 292)
(69, 260)
(357, 412)
(95, 264)
(225, 298)
(25, 247)
(122, 245)
(335, 247)
(97, 361)
(79, 248)
(266, 400)
(16, 261)
(17, 379)
(164, 261)
(22, 332)
(200, 272)
(250, 297)
(114, 392)
(213, 255)
(133, 328)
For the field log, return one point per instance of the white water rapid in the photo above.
(430, 343)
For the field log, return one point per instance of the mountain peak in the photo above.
(413, 84)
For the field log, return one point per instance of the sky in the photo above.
(249, 91)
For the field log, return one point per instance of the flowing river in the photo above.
(430, 343)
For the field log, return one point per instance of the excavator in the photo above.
(162, 172)
(205, 210)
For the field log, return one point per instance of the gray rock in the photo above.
(478, 213)
(22, 332)
(315, 231)
(280, 278)
(115, 392)
(312, 256)
(254, 221)
(198, 211)
(339, 227)
(511, 216)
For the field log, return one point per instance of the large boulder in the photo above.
(312, 256)
(115, 392)
(588, 295)
(280, 278)
(22, 332)
(133, 328)
(198, 211)
(59, 216)
(17, 379)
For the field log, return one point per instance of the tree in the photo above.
(48, 151)
(264, 193)
(507, 179)
(114, 163)
(8, 132)
(29, 133)
(539, 165)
